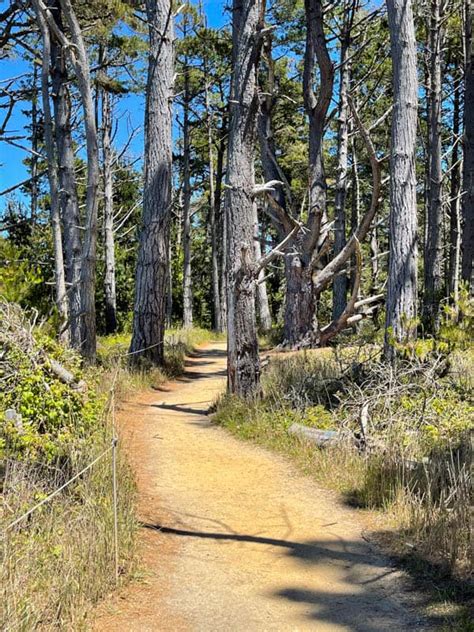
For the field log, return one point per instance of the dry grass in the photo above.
(60, 560)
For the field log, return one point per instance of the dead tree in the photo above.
(153, 263)
(467, 264)
(59, 275)
(402, 276)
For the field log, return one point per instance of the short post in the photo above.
(114, 489)
(114, 486)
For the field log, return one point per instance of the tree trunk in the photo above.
(187, 272)
(59, 275)
(402, 275)
(89, 251)
(300, 319)
(355, 208)
(243, 362)
(264, 316)
(467, 268)
(316, 109)
(452, 276)
(339, 297)
(216, 297)
(34, 146)
(433, 255)
(169, 289)
(221, 222)
(152, 267)
(67, 192)
(109, 239)
(300, 326)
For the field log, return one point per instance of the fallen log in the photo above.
(321, 438)
(65, 375)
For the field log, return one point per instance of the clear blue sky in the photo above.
(130, 111)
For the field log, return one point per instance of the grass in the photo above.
(413, 480)
(60, 561)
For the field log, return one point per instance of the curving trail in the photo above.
(234, 539)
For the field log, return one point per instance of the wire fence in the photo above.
(112, 448)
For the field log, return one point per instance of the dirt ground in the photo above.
(233, 538)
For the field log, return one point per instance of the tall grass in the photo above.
(60, 560)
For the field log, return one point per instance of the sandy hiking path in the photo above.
(233, 538)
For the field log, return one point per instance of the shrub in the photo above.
(60, 559)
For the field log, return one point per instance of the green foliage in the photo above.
(51, 416)
(457, 329)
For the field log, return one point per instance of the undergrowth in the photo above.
(59, 560)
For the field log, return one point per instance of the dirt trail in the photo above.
(233, 538)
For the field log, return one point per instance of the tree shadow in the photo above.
(184, 408)
(190, 376)
(366, 606)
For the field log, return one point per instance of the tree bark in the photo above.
(453, 267)
(467, 267)
(264, 316)
(89, 251)
(109, 239)
(221, 223)
(67, 191)
(339, 297)
(243, 364)
(402, 276)
(152, 267)
(34, 146)
(59, 274)
(300, 320)
(216, 297)
(187, 271)
(433, 255)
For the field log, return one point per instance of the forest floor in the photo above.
(233, 538)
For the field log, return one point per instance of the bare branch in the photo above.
(338, 325)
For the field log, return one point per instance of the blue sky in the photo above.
(130, 112)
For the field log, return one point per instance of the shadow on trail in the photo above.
(190, 376)
(184, 408)
(363, 608)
